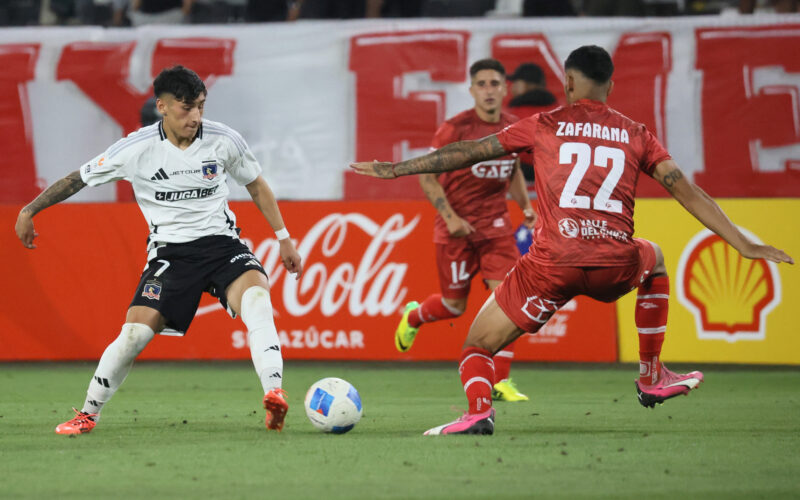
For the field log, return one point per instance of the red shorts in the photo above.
(459, 260)
(531, 293)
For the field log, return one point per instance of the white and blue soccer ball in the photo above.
(333, 405)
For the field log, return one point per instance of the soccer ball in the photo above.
(333, 405)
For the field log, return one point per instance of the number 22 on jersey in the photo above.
(581, 154)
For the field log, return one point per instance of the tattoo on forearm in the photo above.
(452, 157)
(58, 191)
(439, 204)
(671, 178)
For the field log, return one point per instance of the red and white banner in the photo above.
(363, 261)
(309, 97)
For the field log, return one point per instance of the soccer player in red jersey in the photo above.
(588, 158)
(473, 228)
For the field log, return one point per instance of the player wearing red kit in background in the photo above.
(473, 228)
(587, 158)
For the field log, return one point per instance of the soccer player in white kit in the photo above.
(178, 167)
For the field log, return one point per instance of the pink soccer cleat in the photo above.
(81, 423)
(477, 423)
(668, 386)
(276, 406)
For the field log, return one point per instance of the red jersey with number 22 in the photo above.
(587, 160)
(477, 194)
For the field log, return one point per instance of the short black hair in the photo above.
(179, 81)
(488, 63)
(592, 61)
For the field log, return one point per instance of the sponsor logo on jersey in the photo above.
(152, 290)
(209, 169)
(728, 295)
(568, 227)
(592, 229)
(160, 175)
(185, 195)
(186, 172)
(493, 169)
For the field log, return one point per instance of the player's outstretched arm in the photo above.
(58, 191)
(451, 157)
(706, 210)
(265, 201)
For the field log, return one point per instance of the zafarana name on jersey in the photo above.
(594, 130)
(185, 195)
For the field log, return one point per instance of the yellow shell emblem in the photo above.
(730, 295)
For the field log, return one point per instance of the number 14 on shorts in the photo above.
(459, 271)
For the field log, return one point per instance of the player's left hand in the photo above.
(768, 252)
(290, 258)
(380, 169)
(530, 217)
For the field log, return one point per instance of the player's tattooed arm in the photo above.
(451, 157)
(57, 192)
(671, 178)
(698, 203)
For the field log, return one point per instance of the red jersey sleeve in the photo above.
(520, 135)
(654, 153)
(445, 135)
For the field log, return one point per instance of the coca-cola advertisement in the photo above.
(363, 262)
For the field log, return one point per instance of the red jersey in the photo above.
(477, 194)
(587, 159)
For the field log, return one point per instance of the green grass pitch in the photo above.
(195, 430)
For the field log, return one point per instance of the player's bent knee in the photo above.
(660, 269)
(256, 306)
(456, 307)
(135, 336)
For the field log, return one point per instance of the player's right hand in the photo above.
(25, 231)
(459, 227)
(767, 252)
(290, 258)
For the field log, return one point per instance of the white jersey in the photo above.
(181, 193)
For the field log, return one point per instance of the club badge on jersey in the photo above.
(209, 169)
(152, 290)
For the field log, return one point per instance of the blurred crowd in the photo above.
(138, 12)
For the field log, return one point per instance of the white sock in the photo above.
(265, 346)
(115, 363)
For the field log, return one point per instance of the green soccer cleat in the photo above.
(505, 390)
(404, 335)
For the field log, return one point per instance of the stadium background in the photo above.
(721, 93)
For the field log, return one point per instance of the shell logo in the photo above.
(729, 296)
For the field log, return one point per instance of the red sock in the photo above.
(502, 362)
(431, 309)
(652, 306)
(477, 372)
